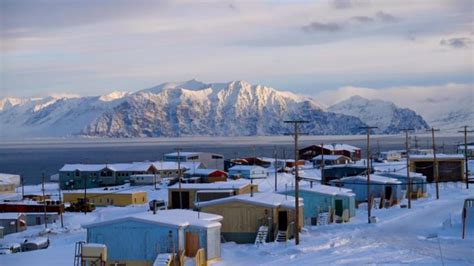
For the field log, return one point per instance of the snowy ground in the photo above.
(429, 234)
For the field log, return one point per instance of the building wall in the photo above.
(104, 199)
(315, 203)
(7, 188)
(135, 241)
(449, 170)
(376, 190)
(38, 218)
(13, 226)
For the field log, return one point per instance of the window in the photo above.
(217, 157)
(77, 173)
(192, 158)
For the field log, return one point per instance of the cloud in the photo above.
(462, 42)
(363, 19)
(385, 17)
(342, 4)
(321, 27)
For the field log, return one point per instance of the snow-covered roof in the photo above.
(172, 218)
(201, 171)
(271, 200)
(329, 157)
(216, 185)
(10, 215)
(339, 147)
(134, 166)
(242, 167)
(327, 190)
(440, 156)
(373, 179)
(106, 190)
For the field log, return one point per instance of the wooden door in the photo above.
(192, 244)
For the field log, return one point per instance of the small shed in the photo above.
(321, 198)
(247, 171)
(138, 239)
(330, 160)
(38, 218)
(245, 214)
(193, 192)
(450, 166)
(380, 186)
(12, 222)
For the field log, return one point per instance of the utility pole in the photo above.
(369, 198)
(407, 147)
(85, 195)
(275, 154)
(416, 143)
(296, 124)
(435, 161)
(465, 131)
(44, 203)
(22, 188)
(178, 150)
(61, 207)
(322, 165)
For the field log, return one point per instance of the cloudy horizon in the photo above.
(305, 47)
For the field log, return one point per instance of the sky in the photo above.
(308, 47)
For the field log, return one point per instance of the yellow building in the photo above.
(100, 197)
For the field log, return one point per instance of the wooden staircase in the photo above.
(261, 235)
(281, 236)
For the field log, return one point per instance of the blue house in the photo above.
(380, 186)
(248, 171)
(321, 198)
(418, 181)
(138, 239)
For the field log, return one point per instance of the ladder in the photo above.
(281, 236)
(78, 253)
(261, 235)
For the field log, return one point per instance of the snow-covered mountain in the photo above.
(193, 108)
(222, 109)
(386, 116)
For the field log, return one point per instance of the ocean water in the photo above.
(32, 159)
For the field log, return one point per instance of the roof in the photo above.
(134, 166)
(337, 147)
(242, 167)
(106, 190)
(402, 174)
(172, 218)
(329, 157)
(327, 190)
(439, 156)
(10, 215)
(216, 185)
(202, 171)
(373, 179)
(270, 200)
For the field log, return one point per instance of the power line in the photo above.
(369, 201)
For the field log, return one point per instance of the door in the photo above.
(192, 243)
(388, 192)
(282, 220)
(339, 208)
(175, 199)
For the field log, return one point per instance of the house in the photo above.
(77, 176)
(139, 238)
(12, 222)
(380, 187)
(321, 198)
(330, 160)
(389, 156)
(247, 171)
(450, 166)
(354, 153)
(144, 179)
(470, 149)
(191, 193)
(38, 218)
(208, 160)
(339, 171)
(206, 175)
(245, 214)
(9, 183)
(107, 196)
(418, 181)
